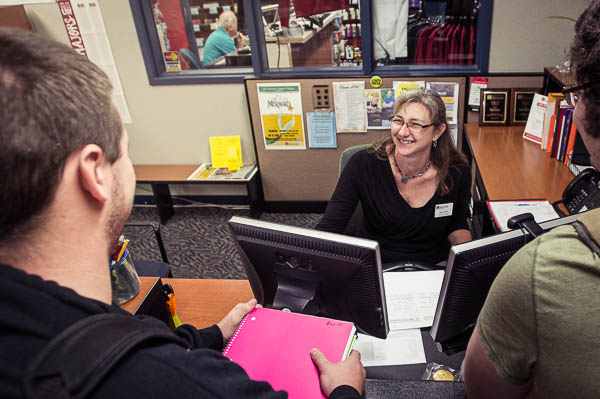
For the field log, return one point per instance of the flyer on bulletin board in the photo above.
(281, 116)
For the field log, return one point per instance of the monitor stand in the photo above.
(297, 290)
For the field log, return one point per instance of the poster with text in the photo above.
(448, 91)
(350, 109)
(281, 116)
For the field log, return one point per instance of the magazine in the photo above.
(205, 171)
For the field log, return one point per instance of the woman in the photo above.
(414, 186)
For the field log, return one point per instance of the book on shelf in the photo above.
(206, 171)
(501, 211)
(274, 346)
(554, 100)
(535, 121)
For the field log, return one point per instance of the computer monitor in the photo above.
(270, 17)
(313, 272)
(472, 267)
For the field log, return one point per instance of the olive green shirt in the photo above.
(541, 318)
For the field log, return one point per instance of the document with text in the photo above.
(400, 347)
(412, 297)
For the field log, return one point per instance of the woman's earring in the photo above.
(434, 144)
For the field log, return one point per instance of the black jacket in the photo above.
(32, 311)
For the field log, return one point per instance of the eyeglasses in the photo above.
(572, 92)
(412, 126)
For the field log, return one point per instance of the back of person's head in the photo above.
(227, 19)
(585, 59)
(52, 102)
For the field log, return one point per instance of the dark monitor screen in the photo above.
(314, 272)
(472, 267)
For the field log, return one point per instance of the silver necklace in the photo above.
(406, 178)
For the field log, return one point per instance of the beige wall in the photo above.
(524, 39)
(171, 124)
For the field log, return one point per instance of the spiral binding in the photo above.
(235, 334)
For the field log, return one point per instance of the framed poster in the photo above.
(521, 100)
(494, 108)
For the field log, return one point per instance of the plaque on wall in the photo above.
(494, 107)
(521, 100)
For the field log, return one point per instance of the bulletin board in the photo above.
(312, 174)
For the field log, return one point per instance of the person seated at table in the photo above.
(67, 189)
(537, 333)
(414, 186)
(388, 100)
(224, 39)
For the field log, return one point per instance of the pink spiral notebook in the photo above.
(274, 346)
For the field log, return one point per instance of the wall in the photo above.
(171, 124)
(524, 39)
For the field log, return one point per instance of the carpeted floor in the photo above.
(197, 240)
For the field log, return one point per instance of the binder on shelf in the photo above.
(554, 100)
(274, 346)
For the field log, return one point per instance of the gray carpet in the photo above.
(197, 240)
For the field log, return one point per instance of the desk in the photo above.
(204, 302)
(160, 176)
(508, 167)
(311, 49)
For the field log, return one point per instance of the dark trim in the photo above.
(144, 22)
(295, 206)
(367, 36)
(208, 199)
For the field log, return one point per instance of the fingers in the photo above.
(354, 354)
(319, 359)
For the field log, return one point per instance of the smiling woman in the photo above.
(414, 186)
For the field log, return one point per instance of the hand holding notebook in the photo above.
(275, 346)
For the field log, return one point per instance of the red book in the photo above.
(274, 346)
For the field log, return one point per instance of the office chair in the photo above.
(357, 216)
(191, 59)
(146, 268)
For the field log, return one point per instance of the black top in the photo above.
(32, 311)
(404, 233)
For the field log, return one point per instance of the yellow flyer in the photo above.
(281, 116)
(226, 152)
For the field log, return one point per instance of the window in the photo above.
(222, 41)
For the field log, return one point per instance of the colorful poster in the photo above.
(280, 107)
(448, 91)
(380, 108)
(350, 110)
(403, 86)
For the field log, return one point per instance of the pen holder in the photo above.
(124, 279)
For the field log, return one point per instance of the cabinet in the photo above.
(346, 42)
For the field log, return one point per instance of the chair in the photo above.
(357, 216)
(191, 60)
(152, 268)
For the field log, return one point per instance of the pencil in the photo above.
(125, 243)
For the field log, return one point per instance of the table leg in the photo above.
(164, 202)
(256, 197)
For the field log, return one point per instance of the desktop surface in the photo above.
(513, 168)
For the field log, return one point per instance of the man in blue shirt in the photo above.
(221, 41)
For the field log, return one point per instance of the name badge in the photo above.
(443, 210)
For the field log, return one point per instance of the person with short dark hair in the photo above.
(67, 190)
(537, 334)
(413, 186)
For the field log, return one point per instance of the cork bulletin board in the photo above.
(311, 174)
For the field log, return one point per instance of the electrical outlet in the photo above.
(321, 97)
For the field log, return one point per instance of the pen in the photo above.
(125, 243)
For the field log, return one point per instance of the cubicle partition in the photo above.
(310, 175)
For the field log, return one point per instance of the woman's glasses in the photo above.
(412, 126)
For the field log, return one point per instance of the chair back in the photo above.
(357, 217)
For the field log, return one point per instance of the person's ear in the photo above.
(439, 131)
(92, 170)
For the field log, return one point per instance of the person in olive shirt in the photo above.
(67, 189)
(537, 334)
